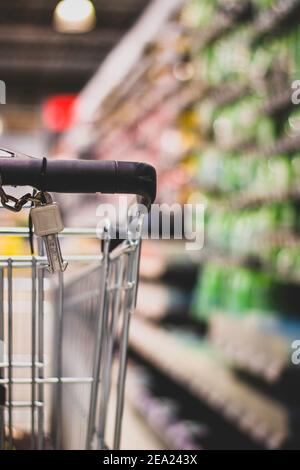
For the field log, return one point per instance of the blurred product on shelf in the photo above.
(168, 301)
(163, 414)
(195, 365)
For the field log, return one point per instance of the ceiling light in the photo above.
(74, 16)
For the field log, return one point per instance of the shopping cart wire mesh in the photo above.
(56, 370)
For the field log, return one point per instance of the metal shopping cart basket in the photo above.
(64, 337)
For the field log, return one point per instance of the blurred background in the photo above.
(203, 90)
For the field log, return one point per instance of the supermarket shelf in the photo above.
(135, 394)
(136, 87)
(139, 80)
(173, 257)
(263, 419)
(150, 102)
(132, 397)
(287, 144)
(115, 68)
(215, 255)
(276, 18)
(246, 199)
(176, 102)
(251, 343)
(224, 22)
(175, 98)
(211, 34)
(91, 104)
(238, 200)
(137, 434)
(223, 95)
(168, 301)
(278, 103)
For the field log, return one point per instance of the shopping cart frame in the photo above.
(76, 177)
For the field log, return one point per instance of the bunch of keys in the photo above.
(47, 223)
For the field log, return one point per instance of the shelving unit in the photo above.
(206, 377)
(207, 100)
(245, 343)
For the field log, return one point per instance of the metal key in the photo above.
(47, 223)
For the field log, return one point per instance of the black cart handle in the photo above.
(82, 176)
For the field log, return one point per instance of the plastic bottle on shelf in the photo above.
(198, 13)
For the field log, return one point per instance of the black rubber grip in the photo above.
(81, 176)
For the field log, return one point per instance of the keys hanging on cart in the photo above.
(47, 223)
(102, 298)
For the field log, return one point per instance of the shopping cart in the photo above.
(62, 361)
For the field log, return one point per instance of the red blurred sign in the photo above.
(58, 112)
